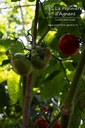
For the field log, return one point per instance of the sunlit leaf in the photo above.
(13, 86)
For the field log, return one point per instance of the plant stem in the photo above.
(54, 121)
(35, 22)
(27, 99)
(67, 107)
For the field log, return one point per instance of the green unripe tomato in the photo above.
(20, 64)
(40, 59)
(39, 63)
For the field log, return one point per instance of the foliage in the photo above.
(50, 85)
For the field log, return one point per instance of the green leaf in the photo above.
(52, 75)
(13, 86)
(31, 0)
(42, 22)
(69, 66)
(5, 43)
(53, 88)
(14, 0)
(70, 2)
(76, 119)
(83, 3)
(4, 62)
(1, 34)
(83, 124)
(50, 36)
(54, 43)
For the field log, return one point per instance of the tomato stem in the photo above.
(54, 121)
(28, 91)
(27, 100)
(67, 107)
(35, 23)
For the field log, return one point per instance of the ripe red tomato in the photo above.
(69, 44)
(41, 123)
(57, 124)
(43, 109)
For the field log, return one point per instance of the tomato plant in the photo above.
(69, 44)
(49, 87)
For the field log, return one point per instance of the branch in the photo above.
(67, 107)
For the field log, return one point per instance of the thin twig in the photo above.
(62, 67)
(18, 6)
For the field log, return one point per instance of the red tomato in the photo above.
(57, 124)
(69, 44)
(44, 109)
(41, 123)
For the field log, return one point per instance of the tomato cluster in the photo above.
(37, 58)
